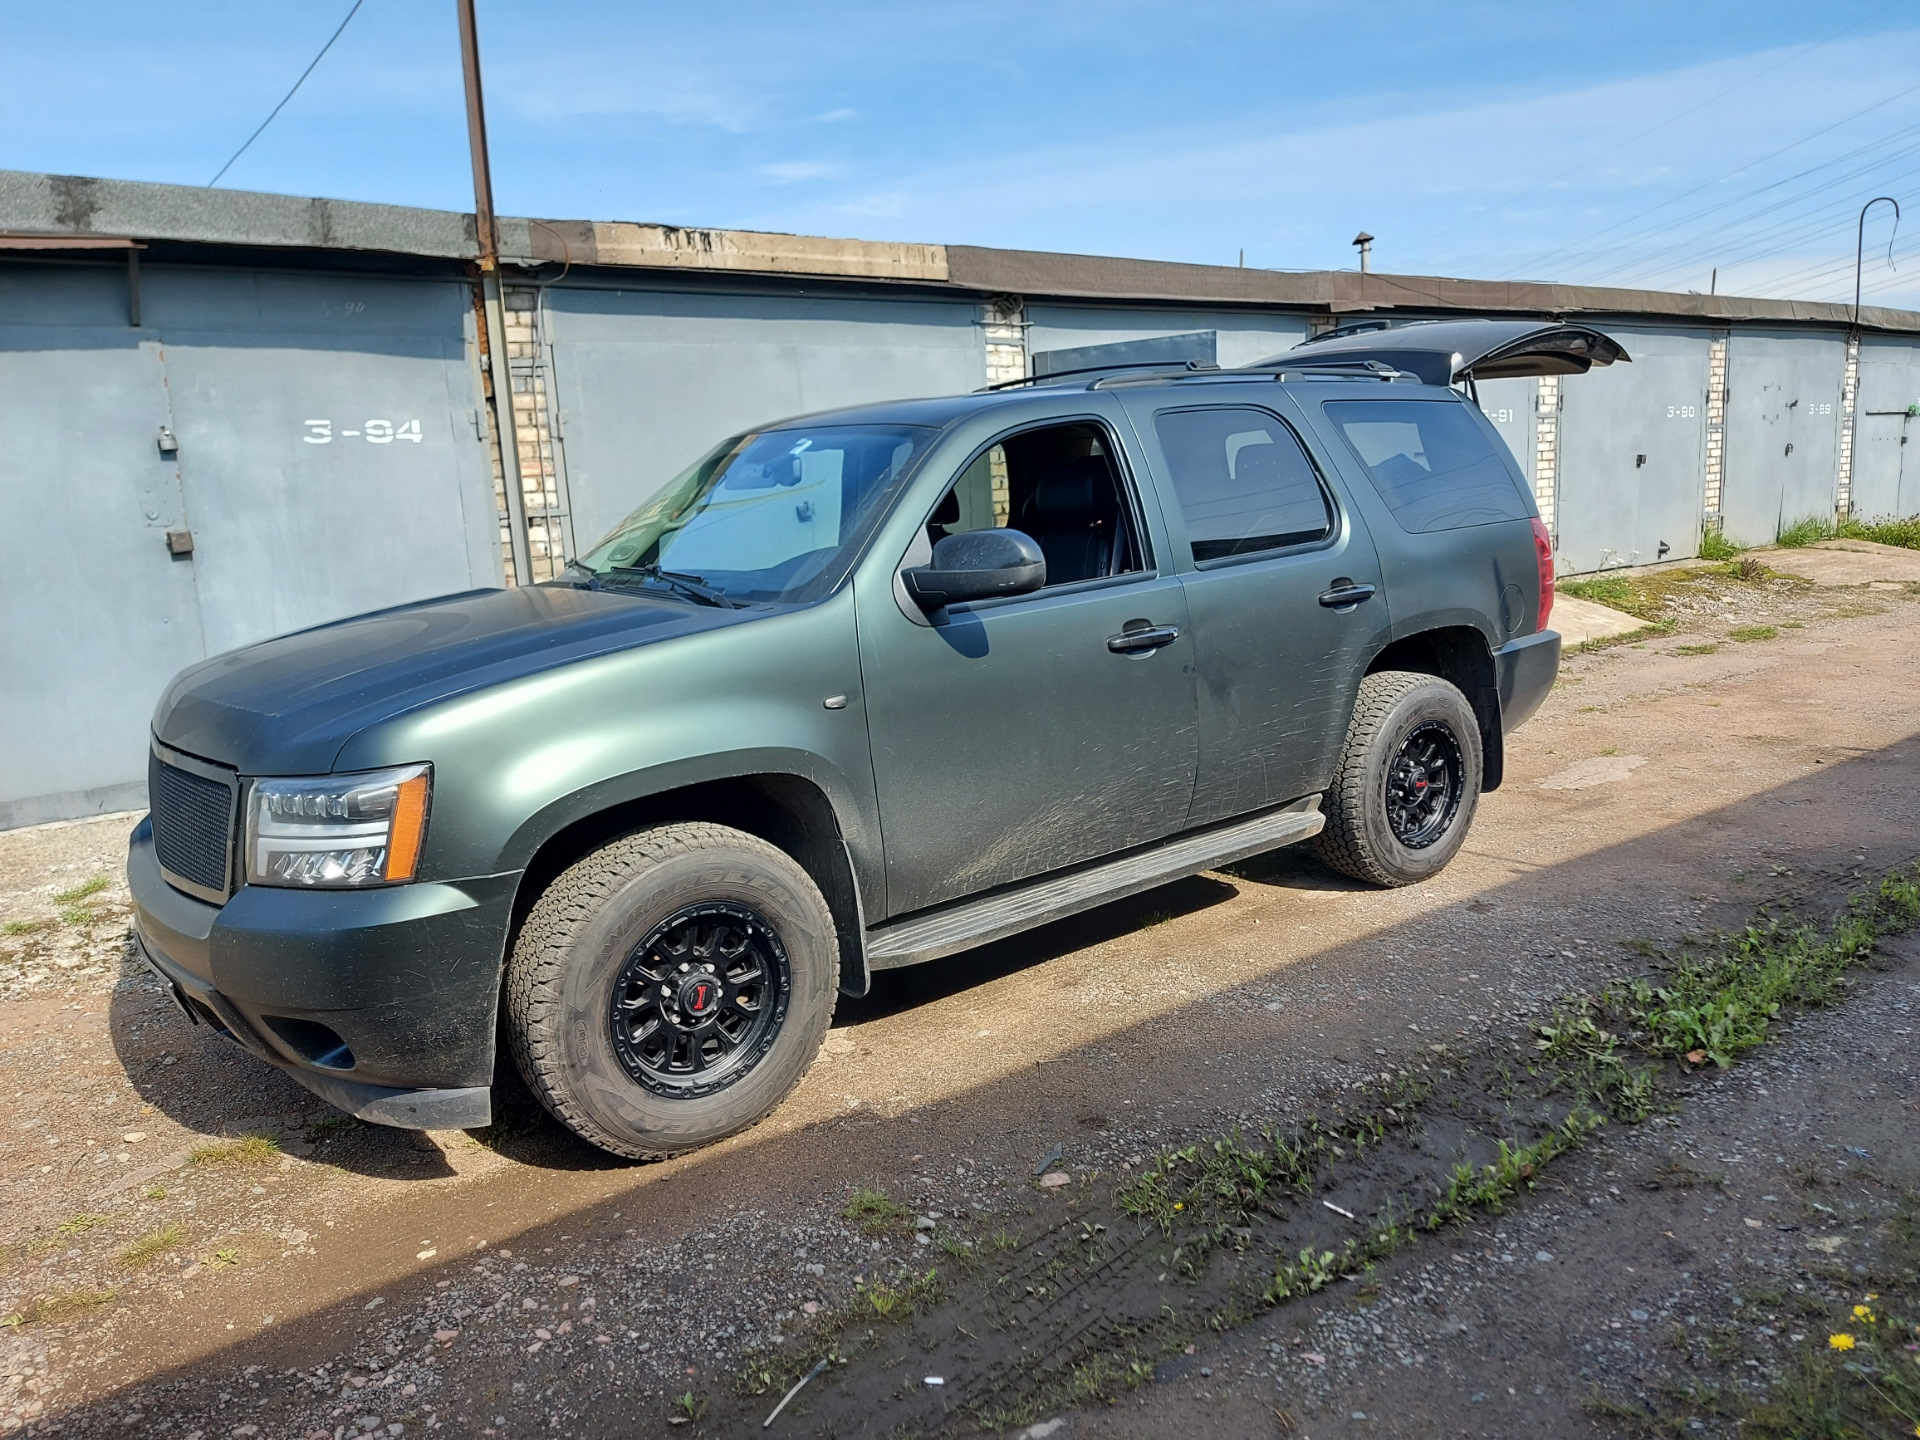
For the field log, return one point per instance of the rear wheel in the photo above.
(1406, 783)
(671, 988)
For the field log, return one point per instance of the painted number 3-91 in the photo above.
(374, 432)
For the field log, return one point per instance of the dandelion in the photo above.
(1842, 1341)
(1178, 1206)
(1861, 1312)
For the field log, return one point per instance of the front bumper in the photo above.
(1524, 671)
(383, 1002)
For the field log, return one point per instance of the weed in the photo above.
(1609, 750)
(1676, 1172)
(1491, 1186)
(1903, 531)
(875, 1211)
(688, 1407)
(79, 1225)
(78, 916)
(26, 927)
(154, 1242)
(1155, 917)
(1706, 649)
(1714, 545)
(82, 891)
(250, 1150)
(1748, 633)
(881, 1301)
(1803, 533)
(52, 1307)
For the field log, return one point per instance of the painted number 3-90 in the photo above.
(374, 432)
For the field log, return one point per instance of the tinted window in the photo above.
(1433, 465)
(1243, 482)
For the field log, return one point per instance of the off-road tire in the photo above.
(579, 935)
(1358, 839)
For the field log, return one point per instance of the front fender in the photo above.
(518, 762)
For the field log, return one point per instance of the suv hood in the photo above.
(287, 706)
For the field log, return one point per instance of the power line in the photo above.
(288, 96)
(1680, 115)
(1822, 173)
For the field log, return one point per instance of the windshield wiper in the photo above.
(691, 586)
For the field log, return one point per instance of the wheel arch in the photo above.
(790, 812)
(1459, 655)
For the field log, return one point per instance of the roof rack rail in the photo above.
(1309, 370)
(1174, 367)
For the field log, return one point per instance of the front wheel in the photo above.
(1406, 783)
(671, 988)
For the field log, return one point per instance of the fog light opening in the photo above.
(317, 1044)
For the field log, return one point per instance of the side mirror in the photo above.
(977, 565)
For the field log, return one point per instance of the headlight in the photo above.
(338, 831)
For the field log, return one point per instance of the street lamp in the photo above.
(1859, 242)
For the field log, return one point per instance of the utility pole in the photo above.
(493, 335)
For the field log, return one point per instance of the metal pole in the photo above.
(494, 311)
(1859, 245)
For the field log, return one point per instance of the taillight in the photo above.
(1543, 548)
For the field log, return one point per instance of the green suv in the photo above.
(855, 691)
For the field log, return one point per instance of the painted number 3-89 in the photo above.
(374, 432)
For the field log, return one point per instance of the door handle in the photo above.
(1344, 593)
(1141, 635)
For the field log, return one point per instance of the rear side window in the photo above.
(1243, 482)
(1434, 467)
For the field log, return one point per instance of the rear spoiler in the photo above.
(1441, 352)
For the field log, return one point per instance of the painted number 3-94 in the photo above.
(374, 432)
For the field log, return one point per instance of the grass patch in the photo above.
(1748, 633)
(875, 1211)
(1706, 649)
(1714, 545)
(82, 891)
(1903, 531)
(56, 1306)
(249, 1150)
(153, 1243)
(26, 927)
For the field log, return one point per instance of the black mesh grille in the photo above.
(192, 824)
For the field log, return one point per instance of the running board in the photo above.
(976, 922)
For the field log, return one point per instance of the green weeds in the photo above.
(875, 1212)
(1714, 545)
(250, 1150)
(1746, 634)
(81, 891)
(153, 1243)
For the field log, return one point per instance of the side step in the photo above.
(975, 922)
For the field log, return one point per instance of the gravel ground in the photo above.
(1658, 793)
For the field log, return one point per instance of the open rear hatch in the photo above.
(1440, 352)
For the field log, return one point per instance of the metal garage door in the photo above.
(1509, 404)
(329, 462)
(1783, 426)
(1886, 481)
(1633, 454)
(98, 615)
(648, 381)
(1241, 336)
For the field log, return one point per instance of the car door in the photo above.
(1283, 594)
(1020, 735)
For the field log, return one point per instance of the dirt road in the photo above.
(517, 1283)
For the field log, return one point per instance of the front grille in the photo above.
(193, 817)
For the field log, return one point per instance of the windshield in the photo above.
(769, 516)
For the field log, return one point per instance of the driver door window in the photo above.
(1058, 484)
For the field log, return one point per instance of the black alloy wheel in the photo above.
(1424, 785)
(700, 1000)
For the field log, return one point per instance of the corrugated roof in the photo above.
(53, 205)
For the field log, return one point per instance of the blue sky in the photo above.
(1628, 143)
